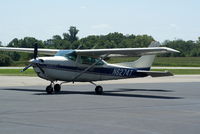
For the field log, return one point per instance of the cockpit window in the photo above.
(90, 60)
(70, 54)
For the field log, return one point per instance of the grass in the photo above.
(30, 72)
(177, 61)
(164, 61)
(16, 72)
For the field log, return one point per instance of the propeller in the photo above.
(34, 62)
(35, 51)
(26, 67)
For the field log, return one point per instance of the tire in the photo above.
(57, 88)
(99, 90)
(49, 89)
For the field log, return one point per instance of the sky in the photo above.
(164, 20)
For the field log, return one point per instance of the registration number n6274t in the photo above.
(122, 72)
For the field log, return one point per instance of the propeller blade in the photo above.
(26, 67)
(35, 51)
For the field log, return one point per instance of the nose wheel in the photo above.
(98, 89)
(56, 88)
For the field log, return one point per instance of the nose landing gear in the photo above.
(98, 89)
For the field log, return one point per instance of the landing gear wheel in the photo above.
(49, 89)
(57, 88)
(99, 90)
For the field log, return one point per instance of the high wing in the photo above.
(151, 50)
(124, 51)
(30, 50)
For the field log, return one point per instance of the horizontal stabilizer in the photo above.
(156, 73)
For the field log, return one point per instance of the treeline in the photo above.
(187, 48)
(70, 40)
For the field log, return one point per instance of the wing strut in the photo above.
(88, 68)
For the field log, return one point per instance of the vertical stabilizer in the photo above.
(144, 62)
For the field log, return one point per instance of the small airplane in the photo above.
(88, 65)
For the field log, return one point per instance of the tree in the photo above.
(0, 43)
(5, 60)
(73, 31)
(198, 41)
(14, 55)
(57, 37)
(186, 48)
(66, 36)
(14, 43)
(27, 42)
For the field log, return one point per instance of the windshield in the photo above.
(63, 52)
(70, 54)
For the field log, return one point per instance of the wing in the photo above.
(124, 51)
(30, 50)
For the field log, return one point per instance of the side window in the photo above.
(71, 56)
(90, 60)
(99, 63)
(85, 60)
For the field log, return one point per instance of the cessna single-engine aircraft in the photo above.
(88, 65)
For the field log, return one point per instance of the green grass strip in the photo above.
(164, 61)
(16, 72)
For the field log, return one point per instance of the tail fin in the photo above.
(144, 62)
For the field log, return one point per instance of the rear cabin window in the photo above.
(90, 60)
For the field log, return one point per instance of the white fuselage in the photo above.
(59, 68)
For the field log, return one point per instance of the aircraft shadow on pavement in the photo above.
(115, 93)
(143, 90)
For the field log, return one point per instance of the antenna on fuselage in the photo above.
(94, 46)
(79, 46)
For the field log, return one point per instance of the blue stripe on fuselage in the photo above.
(111, 71)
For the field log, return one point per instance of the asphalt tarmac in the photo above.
(167, 107)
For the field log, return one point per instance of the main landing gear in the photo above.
(56, 88)
(99, 90)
